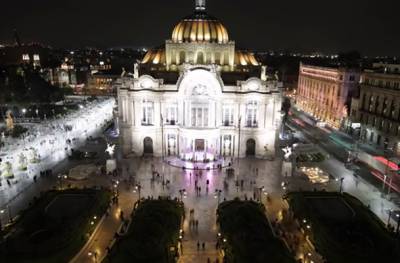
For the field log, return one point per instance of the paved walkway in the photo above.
(95, 249)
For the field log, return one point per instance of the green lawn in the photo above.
(154, 229)
(248, 235)
(55, 227)
(343, 229)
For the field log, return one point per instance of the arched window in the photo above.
(182, 57)
(200, 58)
(217, 57)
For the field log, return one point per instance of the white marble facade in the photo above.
(200, 115)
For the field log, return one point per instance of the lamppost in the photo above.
(60, 179)
(398, 223)
(162, 149)
(9, 213)
(390, 214)
(260, 190)
(93, 254)
(218, 195)
(386, 154)
(341, 184)
(238, 156)
(182, 192)
(23, 113)
(138, 188)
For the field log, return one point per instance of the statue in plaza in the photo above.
(110, 149)
(34, 156)
(7, 171)
(288, 152)
(9, 121)
(22, 162)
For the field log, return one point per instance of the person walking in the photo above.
(203, 246)
(198, 245)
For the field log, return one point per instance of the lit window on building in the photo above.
(199, 117)
(36, 57)
(251, 114)
(227, 116)
(148, 112)
(172, 114)
(25, 57)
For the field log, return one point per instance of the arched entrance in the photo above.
(147, 146)
(250, 147)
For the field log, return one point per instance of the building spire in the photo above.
(200, 5)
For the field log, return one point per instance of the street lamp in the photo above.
(398, 223)
(138, 188)
(218, 194)
(9, 213)
(61, 178)
(260, 190)
(390, 214)
(93, 254)
(341, 184)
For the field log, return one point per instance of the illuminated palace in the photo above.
(198, 97)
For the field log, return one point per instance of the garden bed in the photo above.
(310, 157)
(55, 226)
(343, 229)
(247, 236)
(152, 235)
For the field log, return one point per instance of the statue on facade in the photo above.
(200, 5)
(123, 73)
(136, 70)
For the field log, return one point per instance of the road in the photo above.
(364, 186)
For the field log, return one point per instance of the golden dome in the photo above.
(200, 28)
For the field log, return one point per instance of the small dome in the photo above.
(154, 56)
(245, 58)
(200, 27)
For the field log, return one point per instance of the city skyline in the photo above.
(304, 27)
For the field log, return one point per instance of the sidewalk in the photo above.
(104, 233)
(289, 231)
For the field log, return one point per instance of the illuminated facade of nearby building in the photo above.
(188, 98)
(325, 93)
(377, 110)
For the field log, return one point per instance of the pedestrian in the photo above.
(198, 245)
(203, 246)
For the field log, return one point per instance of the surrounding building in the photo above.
(376, 113)
(325, 93)
(387, 67)
(198, 97)
(102, 82)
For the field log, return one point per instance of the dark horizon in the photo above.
(370, 28)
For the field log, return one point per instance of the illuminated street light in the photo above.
(138, 188)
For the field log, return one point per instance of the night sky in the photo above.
(372, 26)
